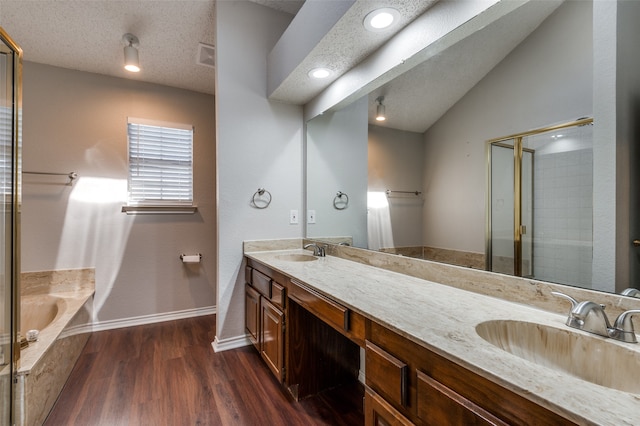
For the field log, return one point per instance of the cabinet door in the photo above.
(252, 314)
(272, 337)
(438, 405)
(378, 412)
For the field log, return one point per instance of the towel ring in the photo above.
(341, 201)
(258, 202)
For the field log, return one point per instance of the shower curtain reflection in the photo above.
(379, 230)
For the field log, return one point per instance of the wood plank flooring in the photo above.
(168, 374)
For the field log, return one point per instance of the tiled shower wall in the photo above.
(563, 216)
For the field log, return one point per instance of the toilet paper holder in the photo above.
(191, 258)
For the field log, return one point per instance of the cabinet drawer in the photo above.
(386, 374)
(439, 405)
(378, 412)
(277, 294)
(247, 274)
(321, 306)
(261, 282)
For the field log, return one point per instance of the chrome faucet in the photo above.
(587, 316)
(317, 250)
(623, 327)
(590, 317)
(631, 292)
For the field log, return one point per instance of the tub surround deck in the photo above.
(443, 318)
(73, 287)
(46, 364)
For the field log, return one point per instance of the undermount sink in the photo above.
(296, 257)
(593, 359)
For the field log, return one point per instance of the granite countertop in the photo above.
(443, 319)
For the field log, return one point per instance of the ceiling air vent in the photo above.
(206, 55)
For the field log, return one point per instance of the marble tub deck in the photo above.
(443, 319)
(45, 365)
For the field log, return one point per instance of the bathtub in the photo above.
(37, 312)
(57, 304)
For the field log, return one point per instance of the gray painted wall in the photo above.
(259, 145)
(546, 80)
(337, 161)
(77, 121)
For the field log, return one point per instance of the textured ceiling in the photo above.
(418, 98)
(87, 36)
(345, 46)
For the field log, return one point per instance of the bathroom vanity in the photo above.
(425, 362)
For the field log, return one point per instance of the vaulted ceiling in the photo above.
(87, 36)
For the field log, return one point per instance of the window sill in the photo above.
(134, 210)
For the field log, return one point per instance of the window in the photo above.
(160, 167)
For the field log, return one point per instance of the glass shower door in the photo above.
(543, 179)
(501, 208)
(10, 62)
(511, 208)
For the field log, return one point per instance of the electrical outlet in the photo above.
(293, 217)
(311, 216)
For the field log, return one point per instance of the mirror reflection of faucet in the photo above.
(631, 292)
(319, 251)
(590, 317)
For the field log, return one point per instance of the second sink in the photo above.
(589, 358)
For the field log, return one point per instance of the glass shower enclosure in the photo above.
(540, 204)
(10, 93)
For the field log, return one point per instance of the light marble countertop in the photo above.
(443, 319)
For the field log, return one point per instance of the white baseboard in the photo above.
(150, 319)
(230, 343)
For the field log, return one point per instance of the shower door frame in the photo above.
(518, 150)
(12, 240)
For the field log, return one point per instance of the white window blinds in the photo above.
(6, 150)
(160, 163)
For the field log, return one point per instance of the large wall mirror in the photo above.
(417, 181)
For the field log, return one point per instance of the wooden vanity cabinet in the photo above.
(265, 318)
(252, 314)
(272, 337)
(378, 412)
(319, 347)
(428, 389)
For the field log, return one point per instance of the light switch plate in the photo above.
(293, 217)
(311, 216)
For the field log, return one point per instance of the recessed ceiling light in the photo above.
(320, 73)
(380, 19)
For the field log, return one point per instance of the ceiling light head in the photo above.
(380, 110)
(131, 60)
(320, 73)
(381, 19)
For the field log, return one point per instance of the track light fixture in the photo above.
(131, 60)
(380, 113)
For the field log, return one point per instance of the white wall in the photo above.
(337, 161)
(259, 145)
(547, 79)
(77, 121)
(396, 163)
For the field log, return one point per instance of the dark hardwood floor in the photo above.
(168, 374)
